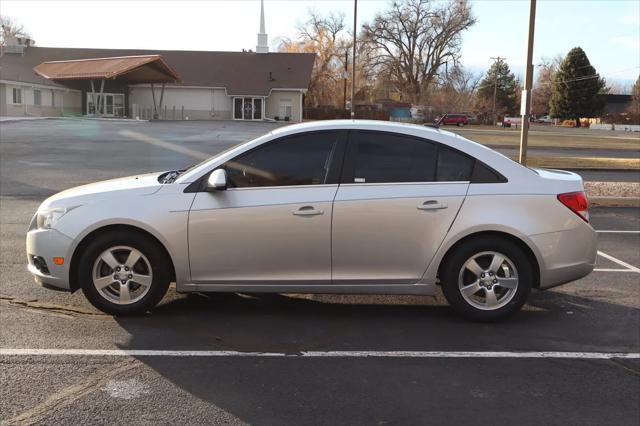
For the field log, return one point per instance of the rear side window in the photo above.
(384, 157)
(453, 165)
(483, 174)
(295, 160)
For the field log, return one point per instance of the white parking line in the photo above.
(612, 270)
(318, 354)
(619, 262)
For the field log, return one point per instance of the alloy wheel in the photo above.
(122, 275)
(488, 280)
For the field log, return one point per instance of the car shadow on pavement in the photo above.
(367, 391)
(284, 324)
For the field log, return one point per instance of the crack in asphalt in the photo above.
(70, 394)
(626, 367)
(64, 311)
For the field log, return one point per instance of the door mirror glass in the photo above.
(217, 180)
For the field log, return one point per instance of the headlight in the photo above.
(47, 218)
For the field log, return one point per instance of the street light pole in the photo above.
(346, 76)
(353, 59)
(525, 108)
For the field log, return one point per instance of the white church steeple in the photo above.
(263, 44)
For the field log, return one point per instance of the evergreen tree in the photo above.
(576, 88)
(500, 78)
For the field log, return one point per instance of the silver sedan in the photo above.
(360, 207)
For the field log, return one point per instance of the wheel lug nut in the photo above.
(495, 281)
(126, 268)
(482, 275)
(118, 268)
(123, 282)
(130, 276)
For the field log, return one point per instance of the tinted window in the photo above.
(295, 160)
(390, 158)
(453, 165)
(483, 174)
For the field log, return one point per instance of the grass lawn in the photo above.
(594, 163)
(552, 137)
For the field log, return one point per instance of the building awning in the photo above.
(128, 69)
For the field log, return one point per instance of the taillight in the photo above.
(577, 202)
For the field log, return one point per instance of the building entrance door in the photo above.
(112, 104)
(245, 108)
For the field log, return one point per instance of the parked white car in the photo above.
(544, 119)
(324, 207)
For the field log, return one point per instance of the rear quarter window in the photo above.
(453, 165)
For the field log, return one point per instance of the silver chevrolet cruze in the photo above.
(360, 207)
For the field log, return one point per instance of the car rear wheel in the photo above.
(460, 124)
(487, 279)
(124, 273)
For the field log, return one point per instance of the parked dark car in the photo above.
(457, 119)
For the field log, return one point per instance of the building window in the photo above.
(286, 108)
(53, 98)
(37, 97)
(17, 95)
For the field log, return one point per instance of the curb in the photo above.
(615, 201)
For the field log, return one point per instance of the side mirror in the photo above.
(217, 180)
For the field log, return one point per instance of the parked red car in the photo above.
(457, 119)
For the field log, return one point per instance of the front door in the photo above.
(273, 224)
(391, 212)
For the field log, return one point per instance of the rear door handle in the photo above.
(307, 211)
(432, 205)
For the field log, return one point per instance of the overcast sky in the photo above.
(608, 30)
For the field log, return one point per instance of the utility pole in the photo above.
(353, 56)
(525, 108)
(346, 76)
(496, 59)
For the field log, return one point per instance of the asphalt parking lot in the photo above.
(571, 357)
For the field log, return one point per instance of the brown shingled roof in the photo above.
(132, 69)
(241, 73)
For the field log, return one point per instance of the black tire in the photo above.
(154, 253)
(460, 124)
(451, 272)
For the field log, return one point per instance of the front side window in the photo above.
(37, 97)
(294, 160)
(382, 157)
(17, 95)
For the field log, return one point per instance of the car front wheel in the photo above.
(460, 124)
(487, 279)
(124, 273)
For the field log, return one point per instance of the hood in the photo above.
(121, 187)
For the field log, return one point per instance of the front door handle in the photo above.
(432, 205)
(307, 211)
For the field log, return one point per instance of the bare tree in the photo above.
(413, 39)
(455, 91)
(10, 28)
(326, 37)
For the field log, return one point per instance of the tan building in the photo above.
(146, 84)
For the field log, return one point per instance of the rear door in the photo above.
(397, 199)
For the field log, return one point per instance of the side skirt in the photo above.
(390, 289)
